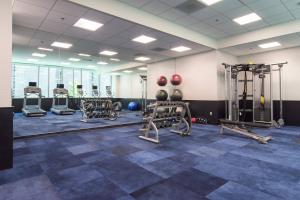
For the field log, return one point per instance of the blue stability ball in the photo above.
(132, 106)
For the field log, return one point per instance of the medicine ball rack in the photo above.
(241, 102)
(166, 114)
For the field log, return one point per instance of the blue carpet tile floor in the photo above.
(115, 164)
(23, 126)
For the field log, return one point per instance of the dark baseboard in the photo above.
(6, 138)
(213, 110)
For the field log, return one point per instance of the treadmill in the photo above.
(95, 92)
(60, 104)
(32, 110)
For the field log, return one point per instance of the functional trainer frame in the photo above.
(260, 97)
(174, 114)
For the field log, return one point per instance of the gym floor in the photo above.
(52, 123)
(115, 164)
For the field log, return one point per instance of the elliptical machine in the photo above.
(60, 104)
(33, 110)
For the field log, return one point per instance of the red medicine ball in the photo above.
(176, 79)
(162, 81)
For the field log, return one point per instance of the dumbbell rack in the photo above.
(165, 114)
(96, 108)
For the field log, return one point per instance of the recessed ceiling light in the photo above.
(246, 19)
(108, 53)
(65, 63)
(142, 58)
(32, 60)
(45, 49)
(269, 45)
(143, 68)
(209, 2)
(87, 24)
(84, 55)
(181, 49)
(115, 59)
(102, 63)
(61, 45)
(127, 71)
(144, 39)
(39, 55)
(74, 59)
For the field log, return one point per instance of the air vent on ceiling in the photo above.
(190, 6)
(159, 49)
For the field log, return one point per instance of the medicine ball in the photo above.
(176, 79)
(161, 95)
(162, 81)
(132, 106)
(176, 95)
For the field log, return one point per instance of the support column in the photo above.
(6, 110)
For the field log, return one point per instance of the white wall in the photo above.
(291, 71)
(198, 72)
(6, 53)
(202, 74)
(127, 86)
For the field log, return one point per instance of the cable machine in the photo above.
(249, 98)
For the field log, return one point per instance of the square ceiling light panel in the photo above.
(144, 39)
(41, 55)
(209, 2)
(74, 59)
(61, 45)
(108, 53)
(44, 49)
(87, 24)
(269, 45)
(84, 55)
(246, 19)
(181, 49)
(102, 63)
(115, 59)
(142, 58)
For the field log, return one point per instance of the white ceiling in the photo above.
(216, 20)
(286, 41)
(41, 22)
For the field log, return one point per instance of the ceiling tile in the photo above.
(256, 25)
(226, 5)
(76, 32)
(54, 27)
(136, 3)
(216, 20)
(97, 16)
(186, 20)
(27, 21)
(69, 8)
(41, 3)
(280, 18)
(61, 17)
(155, 7)
(238, 12)
(263, 4)
(22, 8)
(172, 14)
(173, 3)
(205, 13)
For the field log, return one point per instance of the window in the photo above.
(68, 80)
(55, 77)
(77, 79)
(23, 74)
(87, 82)
(105, 80)
(43, 80)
